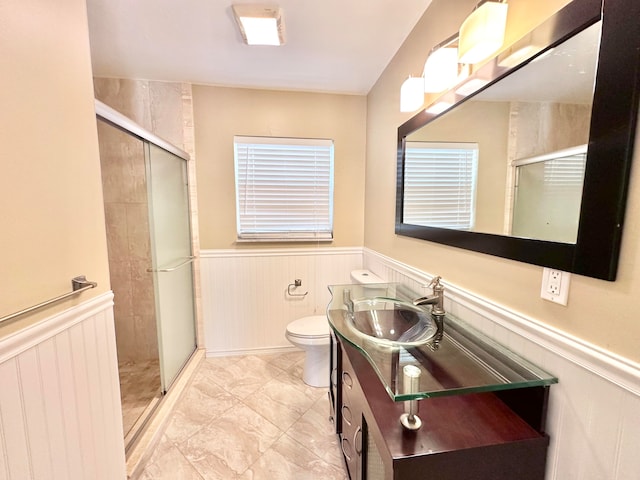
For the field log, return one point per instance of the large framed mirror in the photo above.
(533, 164)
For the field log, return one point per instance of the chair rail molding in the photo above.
(608, 365)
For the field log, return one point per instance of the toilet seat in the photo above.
(313, 327)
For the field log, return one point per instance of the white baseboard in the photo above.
(255, 351)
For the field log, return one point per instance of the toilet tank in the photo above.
(365, 277)
(368, 279)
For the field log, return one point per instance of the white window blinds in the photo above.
(440, 184)
(565, 175)
(284, 188)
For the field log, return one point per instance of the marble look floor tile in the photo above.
(285, 361)
(281, 402)
(314, 431)
(249, 418)
(288, 460)
(293, 377)
(296, 370)
(168, 463)
(230, 444)
(139, 386)
(202, 402)
(240, 376)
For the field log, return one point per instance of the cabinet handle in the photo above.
(355, 440)
(347, 380)
(346, 412)
(342, 445)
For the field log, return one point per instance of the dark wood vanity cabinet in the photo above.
(477, 436)
(346, 399)
(351, 414)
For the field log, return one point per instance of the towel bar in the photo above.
(78, 284)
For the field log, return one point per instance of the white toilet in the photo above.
(311, 334)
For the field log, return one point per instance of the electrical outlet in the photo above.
(554, 282)
(555, 285)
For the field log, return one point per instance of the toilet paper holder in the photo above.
(296, 283)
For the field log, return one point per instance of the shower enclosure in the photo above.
(146, 204)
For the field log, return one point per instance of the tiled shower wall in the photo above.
(545, 127)
(124, 187)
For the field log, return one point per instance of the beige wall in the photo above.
(487, 124)
(600, 312)
(220, 113)
(51, 214)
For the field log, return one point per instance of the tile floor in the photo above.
(249, 418)
(139, 386)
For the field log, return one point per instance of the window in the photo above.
(440, 184)
(284, 188)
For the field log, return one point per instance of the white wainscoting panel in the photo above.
(594, 411)
(60, 411)
(245, 303)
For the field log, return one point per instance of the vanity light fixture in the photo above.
(439, 107)
(260, 24)
(482, 33)
(518, 52)
(471, 86)
(442, 68)
(516, 57)
(411, 94)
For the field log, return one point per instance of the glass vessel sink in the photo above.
(381, 321)
(391, 322)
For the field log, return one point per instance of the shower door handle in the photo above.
(186, 262)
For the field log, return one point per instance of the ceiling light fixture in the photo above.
(411, 94)
(482, 33)
(260, 24)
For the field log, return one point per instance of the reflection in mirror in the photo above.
(518, 111)
(465, 169)
(440, 184)
(548, 191)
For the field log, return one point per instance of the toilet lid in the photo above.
(314, 326)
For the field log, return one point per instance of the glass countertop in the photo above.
(463, 360)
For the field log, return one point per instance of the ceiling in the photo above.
(339, 46)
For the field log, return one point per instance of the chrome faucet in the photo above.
(346, 298)
(436, 300)
(437, 309)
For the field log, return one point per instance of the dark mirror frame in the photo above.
(610, 148)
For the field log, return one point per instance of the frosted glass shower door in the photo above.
(172, 260)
